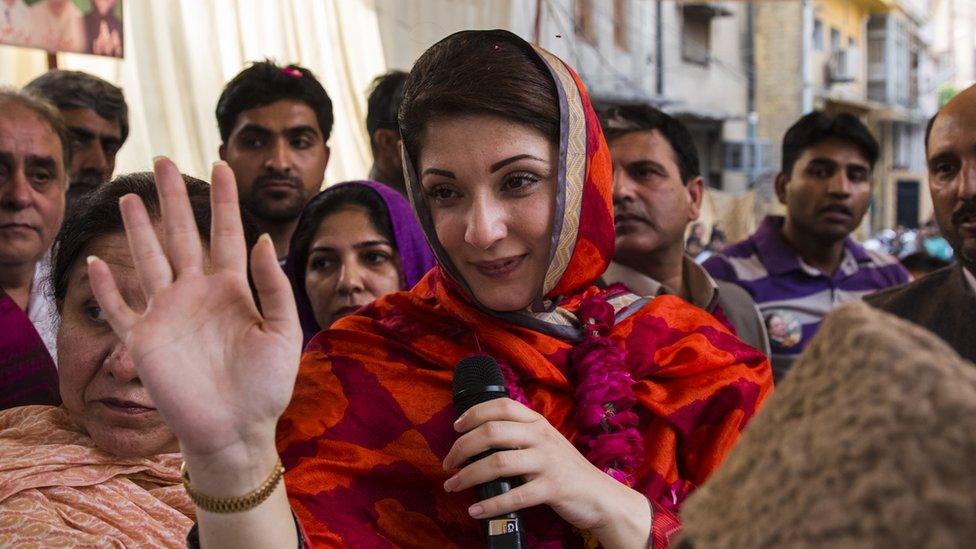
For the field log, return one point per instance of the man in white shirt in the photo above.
(57, 25)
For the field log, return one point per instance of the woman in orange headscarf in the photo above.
(620, 405)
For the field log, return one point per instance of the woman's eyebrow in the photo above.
(502, 163)
(438, 171)
(371, 243)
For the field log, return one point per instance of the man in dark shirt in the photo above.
(383, 104)
(275, 123)
(97, 118)
(945, 301)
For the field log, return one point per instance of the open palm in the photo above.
(220, 370)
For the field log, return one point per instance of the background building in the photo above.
(870, 58)
(737, 72)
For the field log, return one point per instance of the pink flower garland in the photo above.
(605, 397)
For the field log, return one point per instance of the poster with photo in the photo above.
(82, 26)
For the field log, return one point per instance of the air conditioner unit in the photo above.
(843, 66)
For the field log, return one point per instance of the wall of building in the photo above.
(779, 86)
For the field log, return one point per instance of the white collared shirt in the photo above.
(40, 307)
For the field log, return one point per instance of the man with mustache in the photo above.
(657, 192)
(98, 122)
(274, 123)
(945, 301)
(33, 153)
(800, 266)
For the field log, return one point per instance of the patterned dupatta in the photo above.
(57, 489)
(654, 392)
(27, 371)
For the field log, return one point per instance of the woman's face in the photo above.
(99, 384)
(350, 264)
(491, 186)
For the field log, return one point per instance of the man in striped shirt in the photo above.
(800, 266)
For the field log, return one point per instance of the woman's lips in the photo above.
(126, 406)
(499, 268)
(347, 310)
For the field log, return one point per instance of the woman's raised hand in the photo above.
(219, 370)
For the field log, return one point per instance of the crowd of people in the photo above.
(294, 348)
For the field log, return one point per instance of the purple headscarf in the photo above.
(416, 257)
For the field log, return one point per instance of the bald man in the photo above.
(945, 301)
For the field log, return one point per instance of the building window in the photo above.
(834, 40)
(583, 20)
(696, 37)
(620, 36)
(818, 39)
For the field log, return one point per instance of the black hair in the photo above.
(923, 262)
(817, 126)
(928, 130)
(478, 73)
(383, 103)
(327, 203)
(69, 90)
(265, 82)
(98, 215)
(620, 120)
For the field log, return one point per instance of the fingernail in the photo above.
(475, 511)
(219, 163)
(90, 259)
(460, 419)
(158, 158)
(265, 237)
(450, 483)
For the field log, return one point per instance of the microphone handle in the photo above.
(504, 531)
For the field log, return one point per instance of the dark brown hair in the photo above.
(99, 215)
(478, 73)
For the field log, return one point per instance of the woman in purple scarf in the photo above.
(355, 242)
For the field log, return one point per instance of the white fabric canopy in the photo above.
(179, 54)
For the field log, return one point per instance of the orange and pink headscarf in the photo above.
(652, 391)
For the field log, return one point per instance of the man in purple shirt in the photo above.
(800, 266)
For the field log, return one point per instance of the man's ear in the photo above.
(781, 180)
(328, 155)
(222, 151)
(696, 193)
(387, 141)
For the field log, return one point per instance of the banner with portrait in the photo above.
(81, 26)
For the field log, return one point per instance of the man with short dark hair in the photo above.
(382, 108)
(97, 118)
(274, 124)
(657, 192)
(799, 267)
(33, 152)
(945, 301)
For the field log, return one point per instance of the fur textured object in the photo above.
(869, 442)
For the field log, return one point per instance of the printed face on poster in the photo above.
(82, 26)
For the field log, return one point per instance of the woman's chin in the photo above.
(130, 443)
(502, 302)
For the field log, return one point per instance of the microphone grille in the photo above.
(475, 373)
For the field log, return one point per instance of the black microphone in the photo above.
(478, 379)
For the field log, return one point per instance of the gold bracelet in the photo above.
(238, 504)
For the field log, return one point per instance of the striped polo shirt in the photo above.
(793, 296)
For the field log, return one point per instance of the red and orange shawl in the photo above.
(371, 418)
